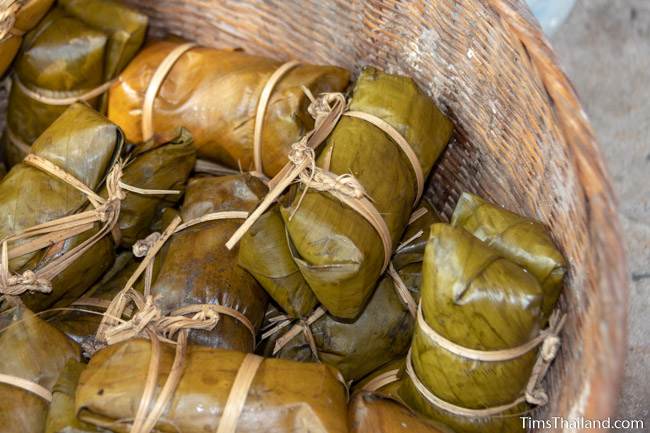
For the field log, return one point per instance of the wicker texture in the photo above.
(523, 140)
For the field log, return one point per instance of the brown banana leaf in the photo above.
(77, 47)
(265, 253)
(62, 417)
(359, 347)
(521, 240)
(371, 413)
(29, 14)
(197, 268)
(339, 253)
(475, 298)
(32, 350)
(222, 127)
(284, 395)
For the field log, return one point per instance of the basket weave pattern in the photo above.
(522, 138)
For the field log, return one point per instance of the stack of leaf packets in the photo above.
(196, 268)
(356, 348)
(338, 252)
(35, 352)
(223, 127)
(78, 47)
(475, 297)
(283, 395)
(371, 413)
(86, 145)
(27, 14)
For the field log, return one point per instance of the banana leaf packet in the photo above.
(62, 417)
(78, 47)
(197, 268)
(357, 348)
(86, 145)
(27, 15)
(521, 240)
(34, 351)
(264, 251)
(164, 166)
(339, 253)
(474, 297)
(370, 413)
(223, 128)
(283, 395)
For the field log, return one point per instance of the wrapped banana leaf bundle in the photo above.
(264, 251)
(197, 269)
(26, 14)
(223, 128)
(340, 249)
(86, 145)
(33, 355)
(356, 348)
(72, 55)
(521, 240)
(275, 395)
(62, 418)
(477, 337)
(371, 413)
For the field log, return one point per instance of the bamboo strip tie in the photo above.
(155, 84)
(83, 96)
(262, 104)
(302, 326)
(27, 385)
(533, 394)
(106, 211)
(381, 380)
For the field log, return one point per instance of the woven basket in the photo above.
(522, 138)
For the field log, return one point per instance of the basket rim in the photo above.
(599, 199)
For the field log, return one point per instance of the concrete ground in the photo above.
(604, 47)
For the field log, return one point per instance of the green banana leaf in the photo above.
(284, 396)
(356, 348)
(62, 417)
(166, 166)
(75, 142)
(197, 268)
(339, 253)
(370, 413)
(265, 253)
(476, 298)
(521, 240)
(83, 143)
(32, 350)
(29, 14)
(77, 47)
(223, 126)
